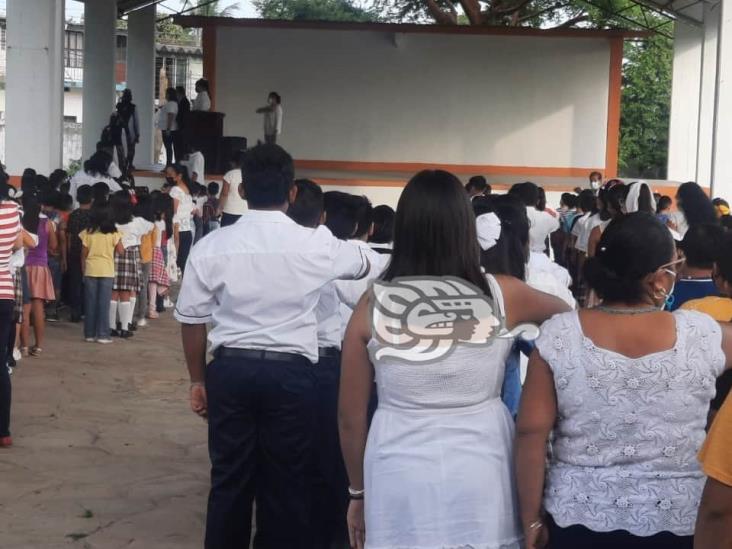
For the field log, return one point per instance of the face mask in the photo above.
(170, 180)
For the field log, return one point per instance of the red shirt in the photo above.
(9, 231)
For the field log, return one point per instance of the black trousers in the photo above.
(168, 139)
(330, 480)
(180, 146)
(75, 287)
(579, 537)
(7, 307)
(186, 241)
(261, 415)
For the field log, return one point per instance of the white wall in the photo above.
(73, 104)
(456, 99)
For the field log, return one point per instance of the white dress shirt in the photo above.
(328, 316)
(195, 163)
(546, 276)
(133, 231)
(259, 281)
(350, 291)
(541, 225)
(82, 178)
(202, 102)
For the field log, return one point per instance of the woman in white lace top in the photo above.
(624, 391)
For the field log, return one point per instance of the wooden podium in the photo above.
(205, 131)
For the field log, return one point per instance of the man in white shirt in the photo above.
(232, 205)
(272, 118)
(195, 164)
(541, 223)
(258, 283)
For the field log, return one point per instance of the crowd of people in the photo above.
(340, 441)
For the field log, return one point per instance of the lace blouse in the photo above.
(628, 430)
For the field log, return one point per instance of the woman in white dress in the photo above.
(436, 471)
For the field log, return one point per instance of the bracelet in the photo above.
(536, 525)
(356, 494)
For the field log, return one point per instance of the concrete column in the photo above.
(100, 28)
(686, 87)
(707, 97)
(34, 85)
(141, 78)
(722, 159)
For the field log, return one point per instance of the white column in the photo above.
(141, 78)
(686, 87)
(34, 85)
(722, 158)
(707, 98)
(100, 28)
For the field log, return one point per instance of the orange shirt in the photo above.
(146, 247)
(716, 454)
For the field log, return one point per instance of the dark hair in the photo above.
(383, 218)
(84, 194)
(477, 183)
(611, 198)
(586, 201)
(364, 216)
(570, 200)
(541, 202)
(434, 231)
(180, 89)
(49, 198)
(203, 83)
(664, 203)
(624, 258)
(182, 171)
(276, 97)
(101, 220)
(31, 213)
(98, 164)
(693, 201)
(527, 192)
(170, 94)
(341, 213)
(701, 244)
(65, 202)
(100, 192)
(268, 173)
(309, 203)
(163, 210)
(57, 178)
(593, 174)
(645, 198)
(509, 255)
(723, 259)
(144, 208)
(213, 188)
(121, 205)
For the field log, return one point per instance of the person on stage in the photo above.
(272, 118)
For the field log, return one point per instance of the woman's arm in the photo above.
(84, 255)
(52, 237)
(727, 343)
(536, 418)
(524, 304)
(594, 240)
(29, 241)
(713, 522)
(225, 188)
(119, 249)
(357, 376)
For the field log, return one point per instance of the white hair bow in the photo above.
(489, 230)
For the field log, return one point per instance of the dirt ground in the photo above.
(107, 454)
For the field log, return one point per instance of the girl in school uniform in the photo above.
(127, 265)
(101, 242)
(159, 281)
(40, 282)
(183, 209)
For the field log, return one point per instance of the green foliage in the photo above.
(213, 9)
(315, 10)
(646, 108)
(168, 32)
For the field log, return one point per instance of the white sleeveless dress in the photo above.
(439, 458)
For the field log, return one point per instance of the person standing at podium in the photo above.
(272, 118)
(168, 124)
(202, 102)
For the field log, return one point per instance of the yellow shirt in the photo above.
(719, 308)
(100, 260)
(146, 247)
(716, 454)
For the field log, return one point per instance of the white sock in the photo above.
(133, 303)
(113, 314)
(125, 314)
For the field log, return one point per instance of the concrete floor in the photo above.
(107, 454)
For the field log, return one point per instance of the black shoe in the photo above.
(126, 334)
(115, 333)
(133, 327)
(11, 361)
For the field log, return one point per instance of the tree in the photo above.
(315, 10)
(212, 9)
(646, 108)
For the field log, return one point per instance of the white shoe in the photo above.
(105, 341)
(17, 355)
(168, 304)
(89, 339)
(10, 371)
(141, 323)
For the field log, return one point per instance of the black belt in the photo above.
(329, 352)
(253, 354)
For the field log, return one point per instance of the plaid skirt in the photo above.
(128, 270)
(159, 275)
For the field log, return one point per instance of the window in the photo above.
(74, 50)
(121, 48)
(3, 38)
(175, 71)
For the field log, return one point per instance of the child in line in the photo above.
(159, 281)
(101, 243)
(144, 210)
(127, 265)
(210, 209)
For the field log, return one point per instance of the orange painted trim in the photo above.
(410, 28)
(615, 93)
(461, 169)
(208, 44)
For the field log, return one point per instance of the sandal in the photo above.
(24, 351)
(36, 351)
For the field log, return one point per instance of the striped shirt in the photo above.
(9, 231)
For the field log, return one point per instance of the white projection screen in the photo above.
(367, 95)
